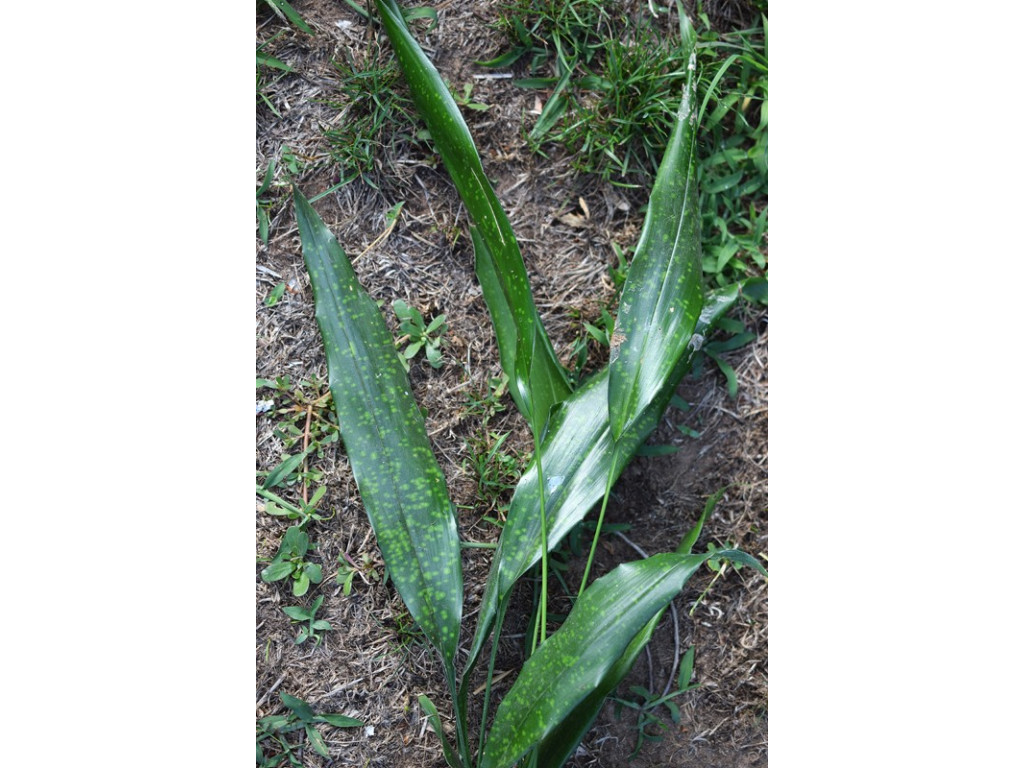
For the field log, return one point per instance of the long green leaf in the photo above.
(661, 299)
(283, 9)
(575, 660)
(560, 743)
(500, 265)
(450, 756)
(339, 721)
(556, 748)
(399, 480)
(579, 454)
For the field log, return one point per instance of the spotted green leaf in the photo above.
(555, 749)
(661, 299)
(560, 743)
(574, 661)
(399, 480)
(499, 262)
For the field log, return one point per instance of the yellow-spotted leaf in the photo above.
(398, 477)
(661, 299)
(574, 662)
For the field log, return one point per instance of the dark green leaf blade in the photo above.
(566, 728)
(661, 299)
(574, 661)
(553, 109)
(281, 472)
(339, 721)
(299, 707)
(399, 480)
(505, 282)
(686, 670)
(504, 60)
(316, 740)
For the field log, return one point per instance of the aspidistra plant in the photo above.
(584, 438)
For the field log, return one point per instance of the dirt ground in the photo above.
(370, 666)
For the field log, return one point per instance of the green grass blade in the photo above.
(577, 659)
(339, 721)
(661, 299)
(284, 10)
(575, 478)
(686, 545)
(553, 109)
(450, 756)
(499, 260)
(399, 480)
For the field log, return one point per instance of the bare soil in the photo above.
(370, 665)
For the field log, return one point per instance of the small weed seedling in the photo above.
(278, 291)
(273, 732)
(719, 567)
(299, 614)
(542, 29)
(497, 472)
(265, 62)
(307, 404)
(290, 562)
(307, 422)
(318, 422)
(599, 335)
(418, 335)
(738, 337)
(304, 514)
(262, 203)
(487, 404)
(349, 568)
(291, 166)
(407, 633)
(465, 99)
(647, 702)
(618, 271)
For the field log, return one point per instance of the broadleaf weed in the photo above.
(273, 732)
(418, 334)
(645, 703)
(290, 563)
(311, 625)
